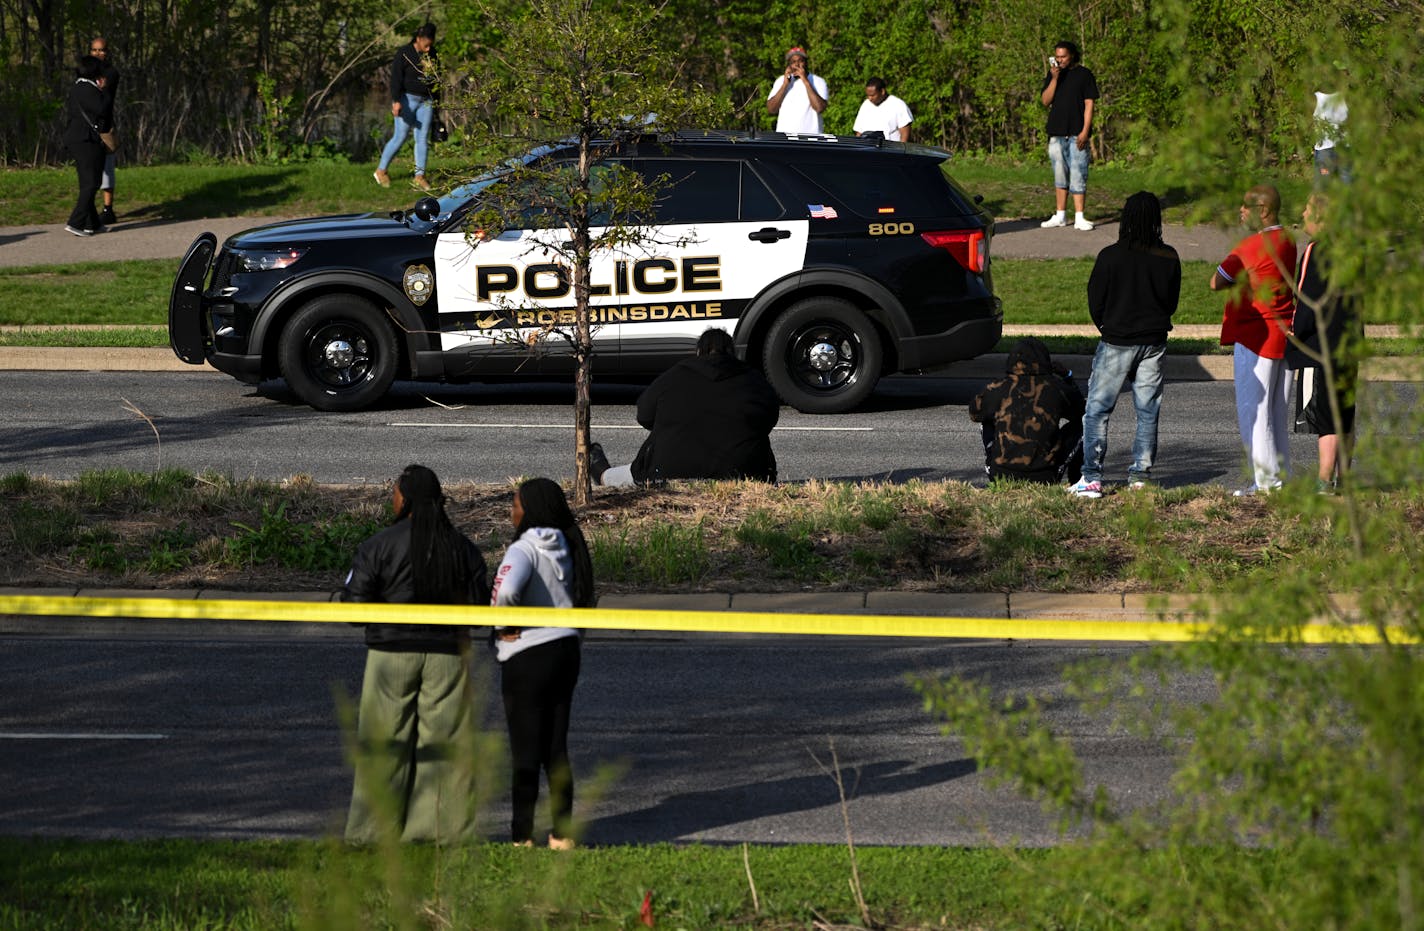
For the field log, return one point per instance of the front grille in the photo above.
(222, 272)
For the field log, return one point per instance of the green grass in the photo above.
(1019, 188)
(43, 196)
(171, 529)
(262, 885)
(88, 293)
(1039, 291)
(107, 338)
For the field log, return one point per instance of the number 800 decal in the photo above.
(892, 229)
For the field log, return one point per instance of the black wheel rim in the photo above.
(825, 357)
(339, 355)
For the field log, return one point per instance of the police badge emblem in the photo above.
(419, 283)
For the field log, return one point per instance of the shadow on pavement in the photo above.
(691, 813)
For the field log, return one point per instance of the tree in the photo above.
(579, 78)
(1313, 754)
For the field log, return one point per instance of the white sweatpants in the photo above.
(1263, 413)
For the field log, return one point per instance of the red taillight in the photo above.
(970, 248)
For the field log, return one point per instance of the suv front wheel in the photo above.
(338, 353)
(823, 356)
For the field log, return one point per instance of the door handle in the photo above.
(769, 234)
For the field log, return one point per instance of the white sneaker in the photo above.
(1054, 221)
(1086, 489)
(1082, 223)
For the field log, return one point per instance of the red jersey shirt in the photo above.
(1259, 315)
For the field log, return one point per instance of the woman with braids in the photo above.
(1132, 295)
(547, 566)
(416, 730)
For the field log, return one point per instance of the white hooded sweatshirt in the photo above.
(537, 571)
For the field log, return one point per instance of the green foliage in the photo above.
(786, 548)
(279, 540)
(664, 554)
(1311, 753)
(590, 71)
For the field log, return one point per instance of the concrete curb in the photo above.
(1015, 605)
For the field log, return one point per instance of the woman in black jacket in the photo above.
(415, 731)
(88, 113)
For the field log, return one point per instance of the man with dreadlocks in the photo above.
(416, 730)
(1132, 295)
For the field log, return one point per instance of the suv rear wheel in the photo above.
(823, 356)
(338, 353)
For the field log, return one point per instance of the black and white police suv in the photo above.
(830, 260)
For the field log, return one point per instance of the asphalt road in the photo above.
(63, 423)
(714, 739)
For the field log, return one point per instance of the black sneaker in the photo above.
(597, 462)
(106, 216)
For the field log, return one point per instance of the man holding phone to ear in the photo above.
(1069, 92)
(798, 97)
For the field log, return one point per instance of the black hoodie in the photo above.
(710, 417)
(1132, 293)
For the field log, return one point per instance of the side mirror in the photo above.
(427, 208)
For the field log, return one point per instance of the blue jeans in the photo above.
(1070, 164)
(1114, 367)
(416, 113)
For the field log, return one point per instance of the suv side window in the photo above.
(868, 191)
(709, 191)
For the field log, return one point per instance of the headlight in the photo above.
(266, 260)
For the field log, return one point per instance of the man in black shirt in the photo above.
(1069, 93)
(1132, 295)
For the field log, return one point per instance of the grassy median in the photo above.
(173, 529)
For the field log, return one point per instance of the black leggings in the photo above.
(538, 689)
(89, 164)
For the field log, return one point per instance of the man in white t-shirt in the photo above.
(883, 113)
(797, 97)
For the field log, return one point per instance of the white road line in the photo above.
(603, 427)
(42, 735)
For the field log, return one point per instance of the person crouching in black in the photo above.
(708, 417)
(1032, 418)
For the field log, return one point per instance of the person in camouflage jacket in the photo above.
(1032, 418)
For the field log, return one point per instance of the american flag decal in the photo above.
(822, 212)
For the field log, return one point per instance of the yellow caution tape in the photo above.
(841, 625)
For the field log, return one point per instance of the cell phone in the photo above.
(1052, 63)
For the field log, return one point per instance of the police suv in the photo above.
(830, 260)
